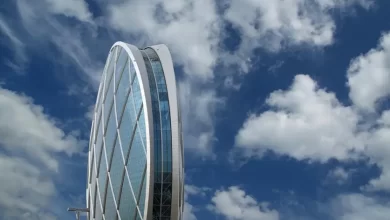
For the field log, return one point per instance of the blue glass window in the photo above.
(107, 106)
(102, 175)
(91, 136)
(99, 99)
(127, 125)
(99, 138)
(136, 91)
(132, 73)
(110, 68)
(142, 127)
(109, 210)
(98, 209)
(141, 200)
(110, 134)
(122, 93)
(127, 204)
(116, 170)
(121, 63)
(136, 162)
(93, 193)
(90, 167)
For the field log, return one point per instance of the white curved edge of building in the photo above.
(177, 206)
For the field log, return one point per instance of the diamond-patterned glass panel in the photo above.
(127, 203)
(127, 125)
(141, 200)
(99, 100)
(141, 125)
(116, 170)
(102, 175)
(99, 139)
(122, 93)
(98, 209)
(121, 63)
(136, 91)
(110, 209)
(110, 69)
(136, 162)
(110, 134)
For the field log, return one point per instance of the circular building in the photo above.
(135, 161)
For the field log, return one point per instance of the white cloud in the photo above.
(23, 186)
(41, 29)
(7, 31)
(378, 150)
(198, 108)
(34, 141)
(275, 24)
(360, 207)
(339, 175)
(196, 191)
(25, 128)
(17, 46)
(191, 190)
(235, 204)
(188, 213)
(304, 122)
(71, 8)
(369, 76)
(191, 29)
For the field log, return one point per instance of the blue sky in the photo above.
(285, 103)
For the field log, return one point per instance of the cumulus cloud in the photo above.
(369, 76)
(189, 191)
(359, 207)
(34, 140)
(71, 8)
(304, 122)
(23, 186)
(273, 25)
(194, 190)
(235, 204)
(378, 150)
(190, 28)
(193, 30)
(188, 213)
(198, 107)
(339, 175)
(24, 126)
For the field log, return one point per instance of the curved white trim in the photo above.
(177, 168)
(136, 58)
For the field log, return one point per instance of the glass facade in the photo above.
(162, 137)
(119, 185)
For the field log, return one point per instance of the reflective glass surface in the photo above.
(118, 141)
(110, 209)
(116, 169)
(162, 194)
(119, 138)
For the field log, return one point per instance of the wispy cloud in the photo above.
(35, 142)
(16, 45)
